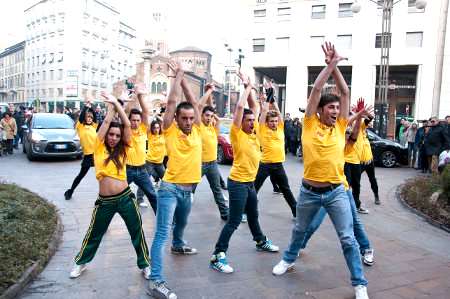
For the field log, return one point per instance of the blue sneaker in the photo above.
(266, 246)
(219, 262)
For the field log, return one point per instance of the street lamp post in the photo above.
(228, 71)
(382, 107)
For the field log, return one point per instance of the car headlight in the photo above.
(36, 137)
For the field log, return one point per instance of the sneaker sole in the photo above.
(368, 263)
(265, 250)
(183, 253)
(218, 270)
(158, 295)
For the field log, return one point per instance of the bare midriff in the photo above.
(317, 184)
(111, 186)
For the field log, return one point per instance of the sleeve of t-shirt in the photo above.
(281, 125)
(341, 124)
(309, 121)
(169, 129)
(234, 134)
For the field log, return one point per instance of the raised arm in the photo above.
(174, 95)
(264, 109)
(277, 109)
(251, 99)
(141, 93)
(331, 59)
(344, 92)
(366, 110)
(206, 99)
(216, 122)
(122, 115)
(101, 132)
(190, 97)
(239, 110)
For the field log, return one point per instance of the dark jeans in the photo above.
(139, 176)
(277, 176)
(9, 146)
(242, 198)
(156, 171)
(353, 175)
(412, 152)
(86, 164)
(369, 168)
(211, 170)
(294, 143)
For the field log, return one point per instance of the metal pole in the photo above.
(383, 76)
(229, 84)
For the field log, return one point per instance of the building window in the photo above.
(60, 74)
(52, 75)
(153, 87)
(259, 13)
(283, 44)
(261, 1)
(378, 40)
(284, 11)
(164, 87)
(344, 41)
(318, 11)
(258, 44)
(44, 75)
(60, 92)
(51, 92)
(414, 39)
(158, 87)
(345, 10)
(317, 41)
(412, 7)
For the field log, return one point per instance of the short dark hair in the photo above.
(183, 105)
(328, 98)
(135, 111)
(246, 112)
(208, 108)
(447, 116)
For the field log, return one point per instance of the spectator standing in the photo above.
(410, 138)
(436, 141)
(418, 144)
(9, 130)
(287, 128)
(294, 136)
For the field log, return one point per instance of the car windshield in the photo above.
(52, 122)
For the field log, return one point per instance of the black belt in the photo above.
(135, 167)
(319, 189)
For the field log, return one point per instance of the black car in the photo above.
(386, 152)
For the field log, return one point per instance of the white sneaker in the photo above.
(244, 218)
(77, 270)
(362, 210)
(368, 257)
(282, 267)
(361, 292)
(143, 204)
(146, 272)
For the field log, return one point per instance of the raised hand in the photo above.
(140, 89)
(360, 104)
(244, 78)
(175, 67)
(331, 54)
(108, 98)
(210, 86)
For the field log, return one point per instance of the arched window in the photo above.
(158, 88)
(164, 86)
(153, 87)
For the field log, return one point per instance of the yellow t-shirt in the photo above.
(185, 155)
(110, 169)
(247, 153)
(352, 151)
(323, 150)
(209, 142)
(87, 134)
(136, 153)
(272, 143)
(365, 154)
(156, 148)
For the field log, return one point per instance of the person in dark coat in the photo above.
(418, 145)
(436, 141)
(294, 136)
(287, 128)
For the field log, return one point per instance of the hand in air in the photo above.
(331, 54)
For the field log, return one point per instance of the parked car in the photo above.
(3, 108)
(51, 135)
(387, 153)
(224, 149)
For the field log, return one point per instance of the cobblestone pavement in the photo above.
(412, 257)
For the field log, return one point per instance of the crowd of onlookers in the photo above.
(428, 143)
(13, 119)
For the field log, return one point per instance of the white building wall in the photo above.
(363, 56)
(91, 50)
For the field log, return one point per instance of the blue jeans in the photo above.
(336, 204)
(358, 226)
(156, 171)
(174, 206)
(242, 199)
(139, 175)
(211, 170)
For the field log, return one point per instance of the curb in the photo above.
(33, 271)
(427, 218)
